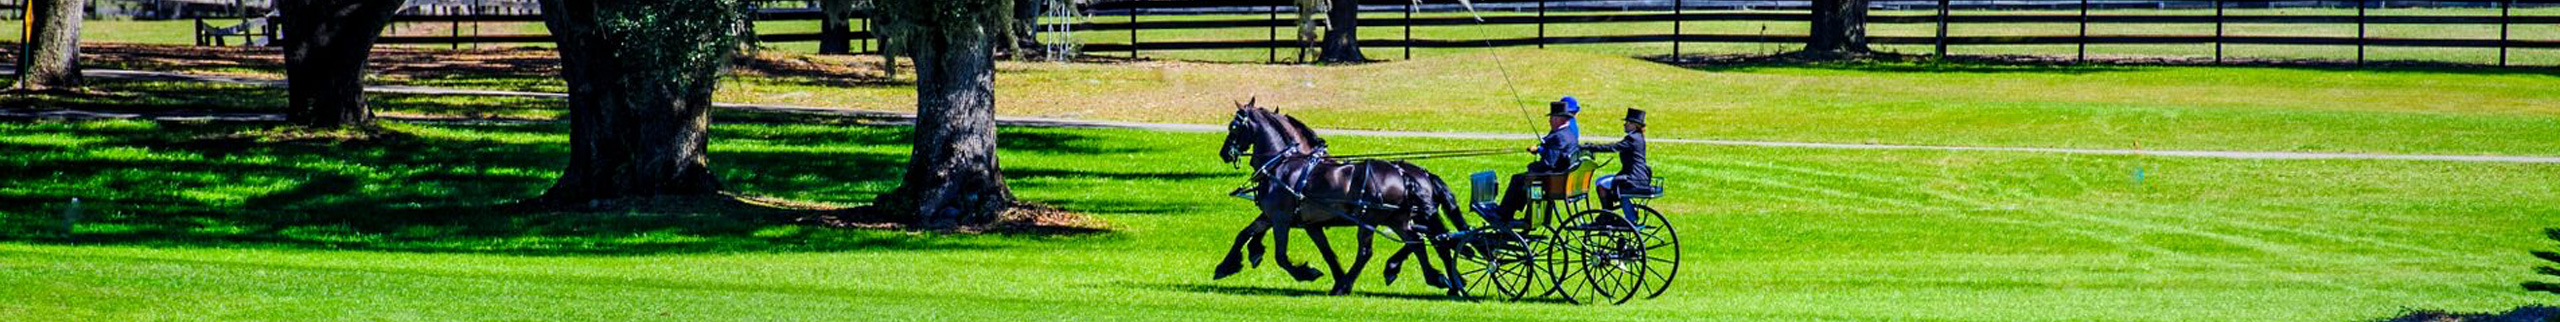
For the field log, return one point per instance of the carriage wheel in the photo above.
(1662, 251)
(1498, 263)
(1476, 265)
(1571, 262)
(1611, 265)
(1526, 270)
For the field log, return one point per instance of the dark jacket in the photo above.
(1631, 159)
(1557, 150)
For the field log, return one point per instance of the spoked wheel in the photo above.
(1661, 251)
(1527, 269)
(1610, 258)
(1499, 263)
(1476, 262)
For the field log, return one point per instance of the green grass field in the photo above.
(195, 222)
(225, 221)
(2445, 111)
(2436, 111)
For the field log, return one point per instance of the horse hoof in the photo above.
(1391, 278)
(1435, 282)
(1225, 270)
(1341, 291)
(1305, 274)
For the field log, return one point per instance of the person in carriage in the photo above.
(1557, 153)
(1635, 176)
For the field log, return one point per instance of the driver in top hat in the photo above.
(1556, 154)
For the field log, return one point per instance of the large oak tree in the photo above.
(952, 177)
(835, 33)
(1342, 34)
(326, 44)
(640, 76)
(55, 62)
(1839, 29)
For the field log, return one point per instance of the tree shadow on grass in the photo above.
(143, 96)
(190, 98)
(431, 189)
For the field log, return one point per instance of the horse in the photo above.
(1298, 188)
(1303, 138)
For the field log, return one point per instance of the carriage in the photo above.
(1560, 245)
(1563, 244)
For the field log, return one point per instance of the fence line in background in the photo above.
(1941, 40)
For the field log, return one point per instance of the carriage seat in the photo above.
(1568, 186)
(1487, 189)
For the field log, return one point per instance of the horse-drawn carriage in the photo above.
(1560, 245)
(1564, 246)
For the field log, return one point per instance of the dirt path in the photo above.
(1183, 127)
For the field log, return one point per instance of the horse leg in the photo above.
(1331, 262)
(1253, 246)
(1344, 280)
(1395, 262)
(1413, 245)
(1252, 235)
(1454, 281)
(1280, 252)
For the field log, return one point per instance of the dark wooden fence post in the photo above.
(1408, 31)
(1274, 43)
(2083, 56)
(1678, 15)
(457, 28)
(2360, 32)
(476, 9)
(1542, 24)
(2504, 18)
(1133, 33)
(867, 17)
(2217, 30)
(1942, 28)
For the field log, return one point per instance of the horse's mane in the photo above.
(1312, 141)
(1298, 131)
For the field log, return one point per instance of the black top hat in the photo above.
(1635, 116)
(1563, 108)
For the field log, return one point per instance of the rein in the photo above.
(1419, 155)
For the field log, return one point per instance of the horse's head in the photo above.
(1240, 132)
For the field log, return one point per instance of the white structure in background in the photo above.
(1056, 30)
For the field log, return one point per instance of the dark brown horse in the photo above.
(1297, 136)
(1296, 187)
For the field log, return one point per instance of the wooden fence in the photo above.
(1123, 17)
(1940, 41)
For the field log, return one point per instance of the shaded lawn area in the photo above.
(184, 221)
(433, 188)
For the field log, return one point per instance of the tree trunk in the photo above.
(1342, 38)
(55, 64)
(952, 176)
(1839, 29)
(640, 76)
(1022, 37)
(326, 43)
(835, 35)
